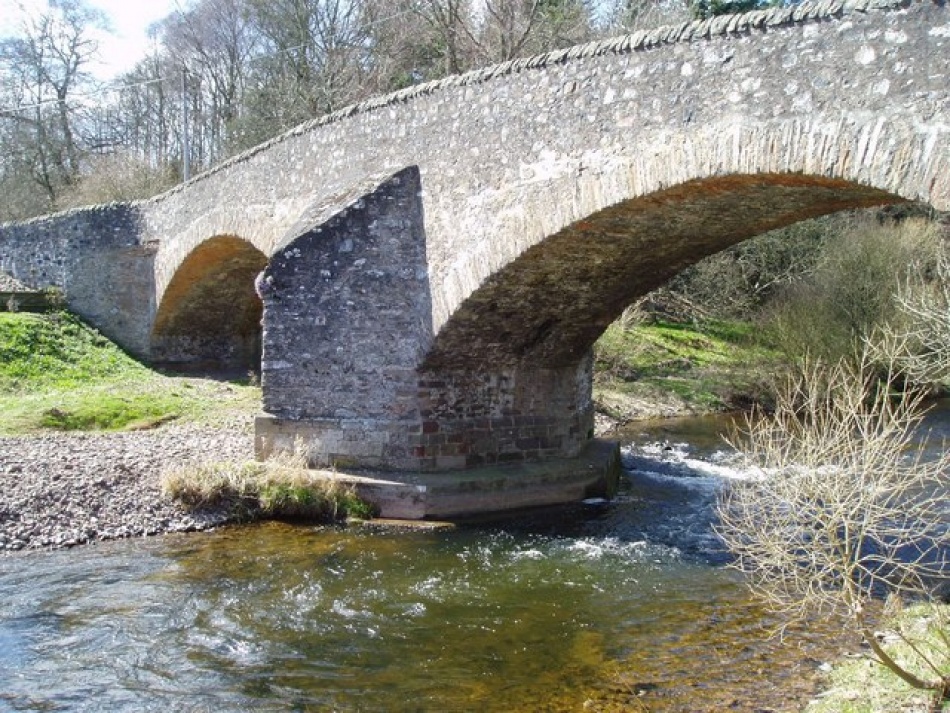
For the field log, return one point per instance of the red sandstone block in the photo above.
(430, 426)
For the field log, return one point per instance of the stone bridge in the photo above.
(438, 262)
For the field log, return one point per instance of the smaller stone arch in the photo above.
(209, 316)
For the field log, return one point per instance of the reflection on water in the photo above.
(619, 606)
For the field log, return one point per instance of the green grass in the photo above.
(712, 366)
(58, 373)
(860, 685)
(55, 352)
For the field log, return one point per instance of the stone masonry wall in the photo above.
(473, 418)
(346, 323)
(96, 258)
(346, 320)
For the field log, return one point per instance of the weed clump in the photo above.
(280, 487)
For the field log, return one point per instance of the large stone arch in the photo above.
(708, 186)
(210, 315)
(546, 307)
(516, 301)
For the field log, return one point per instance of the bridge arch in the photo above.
(508, 376)
(679, 195)
(547, 306)
(210, 315)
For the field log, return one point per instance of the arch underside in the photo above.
(210, 314)
(550, 305)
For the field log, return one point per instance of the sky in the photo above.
(124, 46)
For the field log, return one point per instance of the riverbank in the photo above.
(65, 489)
(661, 369)
(62, 489)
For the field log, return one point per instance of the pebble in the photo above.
(65, 489)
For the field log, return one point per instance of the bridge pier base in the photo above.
(448, 420)
(594, 472)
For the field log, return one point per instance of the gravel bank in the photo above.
(60, 490)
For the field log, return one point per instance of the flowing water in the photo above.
(613, 606)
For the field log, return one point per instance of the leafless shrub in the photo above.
(633, 315)
(920, 336)
(843, 509)
(117, 177)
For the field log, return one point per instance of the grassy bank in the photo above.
(663, 368)
(58, 373)
(860, 685)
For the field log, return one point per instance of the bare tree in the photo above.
(450, 21)
(214, 43)
(620, 16)
(43, 66)
(477, 34)
(843, 508)
(403, 48)
(147, 113)
(920, 335)
(518, 28)
(315, 58)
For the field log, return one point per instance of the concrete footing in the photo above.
(405, 496)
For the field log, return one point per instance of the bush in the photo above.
(851, 292)
(117, 177)
(842, 510)
(739, 281)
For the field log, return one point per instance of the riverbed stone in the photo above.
(61, 490)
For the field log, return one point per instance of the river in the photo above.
(619, 606)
